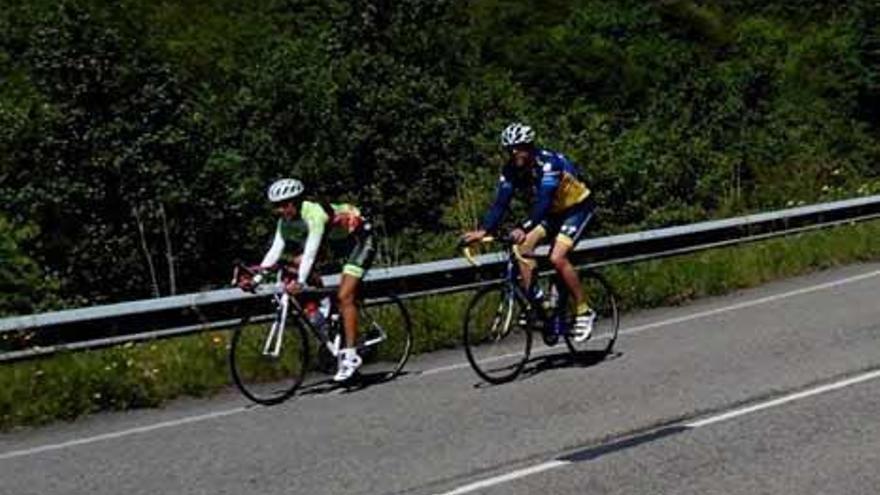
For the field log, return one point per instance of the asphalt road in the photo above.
(771, 390)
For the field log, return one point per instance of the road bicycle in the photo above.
(270, 356)
(500, 319)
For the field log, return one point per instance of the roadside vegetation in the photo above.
(148, 374)
(137, 137)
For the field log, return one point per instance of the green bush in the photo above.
(139, 137)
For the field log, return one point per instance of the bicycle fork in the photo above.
(272, 346)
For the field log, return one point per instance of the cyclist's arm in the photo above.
(547, 189)
(499, 207)
(275, 251)
(316, 220)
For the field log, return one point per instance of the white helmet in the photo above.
(517, 133)
(283, 189)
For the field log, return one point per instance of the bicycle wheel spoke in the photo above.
(268, 362)
(497, 346)
(601, 299)
(384, 338)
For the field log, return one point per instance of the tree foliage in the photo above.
(24, 287)
(138, 137)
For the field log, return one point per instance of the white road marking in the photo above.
(718, 418)
(453, 367)
(749, 304)
(122, 433)
(633, 330)
(685, 318)
(504, 478)
(785, 399)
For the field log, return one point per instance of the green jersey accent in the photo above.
(336, 222)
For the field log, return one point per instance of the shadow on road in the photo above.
(560, 360)
(361, 381)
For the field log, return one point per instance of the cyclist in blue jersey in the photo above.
(562, 207)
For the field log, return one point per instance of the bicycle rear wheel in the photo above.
(497, 346)
(385, 338)
(600, 295)
(265, 370)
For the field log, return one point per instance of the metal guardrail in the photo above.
(31, 336)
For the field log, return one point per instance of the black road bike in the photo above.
(500, 319)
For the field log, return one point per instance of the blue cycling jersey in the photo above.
(553, 179)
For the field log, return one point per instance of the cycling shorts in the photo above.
(568, 226)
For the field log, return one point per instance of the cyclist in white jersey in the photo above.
(305, 225)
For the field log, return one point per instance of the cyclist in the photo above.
(561, 209)
(306, 224)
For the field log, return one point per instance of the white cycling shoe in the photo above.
(349, 362)
(583, 326)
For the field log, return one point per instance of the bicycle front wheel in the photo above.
(385, 338)
(600, 296)
(268, 363)
(496, 343)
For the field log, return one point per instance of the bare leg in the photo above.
(347, 307)
(566, 271)
(527, 268)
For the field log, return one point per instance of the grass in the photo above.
(677, 280)
(146, 375)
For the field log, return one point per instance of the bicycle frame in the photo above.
(512, 275)
(378, 340)
(283, 301)
(512, 280)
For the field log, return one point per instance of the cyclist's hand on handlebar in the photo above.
(247, 278)
(294, 287)
(247, 283)
(517, 235)
(472, 236)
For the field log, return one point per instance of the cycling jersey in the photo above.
(334, 221)
(553, 179)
